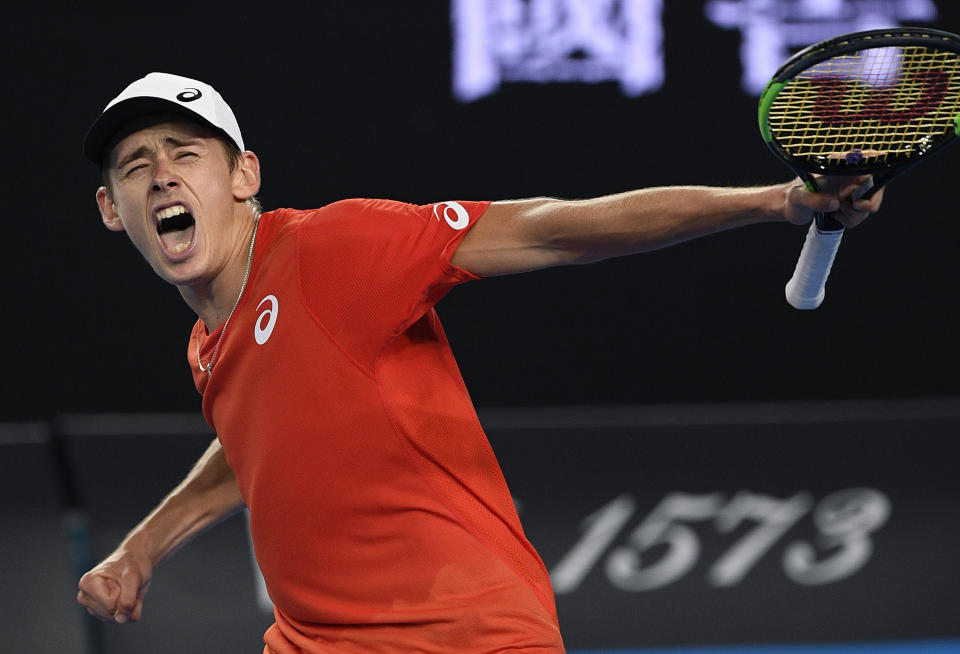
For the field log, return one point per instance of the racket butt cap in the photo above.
(802, 302)
(807, 285)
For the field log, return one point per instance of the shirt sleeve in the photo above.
(369, 269)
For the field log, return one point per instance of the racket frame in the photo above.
(829, 228)
(836, 47)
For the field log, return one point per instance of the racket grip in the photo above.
(807, 288)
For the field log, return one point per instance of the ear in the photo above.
(246, 177)
(108, 211)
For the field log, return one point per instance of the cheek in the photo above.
(141, 242)
(212, 193)
(131, 215)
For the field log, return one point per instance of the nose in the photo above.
(164, 177)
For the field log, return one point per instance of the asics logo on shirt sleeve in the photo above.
(261, 331)
(454, 213)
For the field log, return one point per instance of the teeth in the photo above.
(171, 211)
(179, 247)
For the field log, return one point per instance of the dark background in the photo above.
(353, 98)
(344, 99)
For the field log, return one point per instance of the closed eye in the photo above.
(134, 168)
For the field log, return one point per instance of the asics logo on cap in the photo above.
(189, 95)
(159, 93)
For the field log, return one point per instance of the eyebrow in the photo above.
(136, 154)
(143, 149)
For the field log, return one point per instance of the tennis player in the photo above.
(380, 518)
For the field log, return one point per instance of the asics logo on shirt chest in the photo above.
(267, 319)
(454, 213)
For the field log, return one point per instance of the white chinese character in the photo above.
(556, 41)
(773, 29)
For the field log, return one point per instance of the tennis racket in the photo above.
(875, 102)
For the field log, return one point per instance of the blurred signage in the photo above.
(562, 41)
(543, 41)
(772, 31)
(842, 544)
(720, 528)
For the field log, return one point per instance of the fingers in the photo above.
(800, 204)
(841, 196)
(108, 601)
(99, 595)
(114, 590)
(854, 209)
(871, 204)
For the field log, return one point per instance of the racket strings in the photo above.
(876, 106)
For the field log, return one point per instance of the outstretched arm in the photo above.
(521, 235)
(114, 589)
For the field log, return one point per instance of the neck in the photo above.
(213, 300)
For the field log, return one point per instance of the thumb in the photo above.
(821, 201)
(801, 203)
(127, 597)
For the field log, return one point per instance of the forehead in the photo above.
(160, 135)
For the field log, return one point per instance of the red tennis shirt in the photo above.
(380, 517)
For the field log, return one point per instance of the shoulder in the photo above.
(366, 208)
(337, 225)
(342, 210)
(361, 217)
(373, 218)
(358, 208)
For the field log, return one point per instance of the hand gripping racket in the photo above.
(874, 102)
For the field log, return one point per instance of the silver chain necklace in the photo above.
(246, 275)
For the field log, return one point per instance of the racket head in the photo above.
(865, 102)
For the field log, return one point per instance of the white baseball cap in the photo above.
(161, 94)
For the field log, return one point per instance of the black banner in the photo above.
(742, 524)
(717, 529)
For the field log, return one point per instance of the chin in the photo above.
(184, 273)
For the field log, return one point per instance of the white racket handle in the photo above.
(807, 288)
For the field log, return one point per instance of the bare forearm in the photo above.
(519, 235)
(653, 218)
(207, 495)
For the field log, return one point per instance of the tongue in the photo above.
(177, 240)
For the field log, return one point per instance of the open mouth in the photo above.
(175, 227)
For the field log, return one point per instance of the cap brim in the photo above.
(112, 122)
